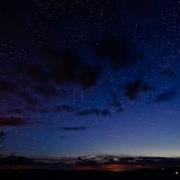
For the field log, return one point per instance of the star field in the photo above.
(89, 77)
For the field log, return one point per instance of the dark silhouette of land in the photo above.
(145, 174)
(89, 168)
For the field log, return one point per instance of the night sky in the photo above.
(82, 77)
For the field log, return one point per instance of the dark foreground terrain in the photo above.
(171, 173)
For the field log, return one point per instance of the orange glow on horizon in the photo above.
(108, 167)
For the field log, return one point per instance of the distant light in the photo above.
(176, 173)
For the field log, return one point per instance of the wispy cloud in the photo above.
(95, 111)
(166, 96)
(74, 128)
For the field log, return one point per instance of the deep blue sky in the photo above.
(90, 77)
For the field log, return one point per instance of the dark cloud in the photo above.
(67, 66)
(166, 96)
(7, 87)
(64, 108)
(46, 90)
(17, 111)
(12, 121)
(119, 52)
(28, 98)
(32, 72)
(74, 128)
(105, 112)
(134, 88)
(37, 72)
(61, 137)
(37, 109)
(86, 162)
(2, 136)
(115, 102)
(97, 112)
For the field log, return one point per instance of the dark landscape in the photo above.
(101, 167)
(169, 173)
